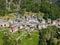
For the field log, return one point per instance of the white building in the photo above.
(40, 26)
(57, 23)
(4, 23)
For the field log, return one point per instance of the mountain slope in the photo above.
(58, 3)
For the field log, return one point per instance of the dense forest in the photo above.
(49, 36)
(51, 9)
(58, 3)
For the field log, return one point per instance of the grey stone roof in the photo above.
(2, 21)
(15, 24)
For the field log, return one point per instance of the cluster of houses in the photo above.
(27, 22)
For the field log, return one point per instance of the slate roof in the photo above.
(2, 21)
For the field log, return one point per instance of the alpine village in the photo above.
(29, 22)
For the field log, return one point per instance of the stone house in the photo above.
(40, 26)
(13, 28)
(4, 23)
(58, 23)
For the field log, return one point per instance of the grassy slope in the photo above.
(1, 41)
(30, 41)
(24, 39)
(7, 16)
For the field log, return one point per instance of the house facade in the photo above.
(56, 23)
(4, 23)
(13, 28)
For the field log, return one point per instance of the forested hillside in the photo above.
(51, 10)
(58, 3)
(44, 9)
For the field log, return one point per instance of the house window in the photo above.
(58, 25)
(1, 25)
(18, 20)
(4, 24)
(18, 27)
